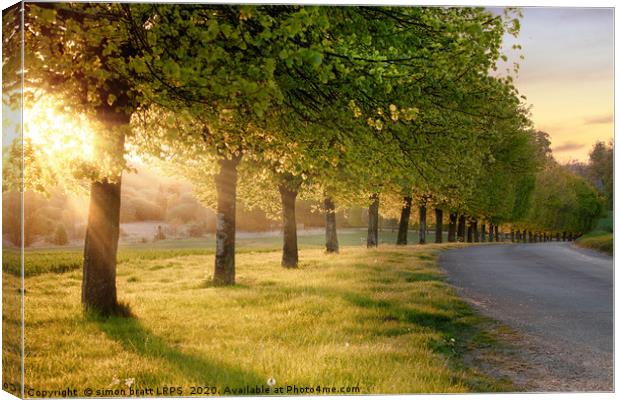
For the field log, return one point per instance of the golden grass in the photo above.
(382, 320)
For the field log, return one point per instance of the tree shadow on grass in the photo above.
(460, 322)
(135, 338)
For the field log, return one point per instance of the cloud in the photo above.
(600, 119)
(568, 146)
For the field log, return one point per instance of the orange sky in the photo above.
(567, 75)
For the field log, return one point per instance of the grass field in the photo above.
(381, 321)
(602, 237)
(69, 258)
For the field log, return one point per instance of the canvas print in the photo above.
(289, 199)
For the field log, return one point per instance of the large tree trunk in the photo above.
(403, 226)
(476, 231)
(470, 232)
(290, 255)
(483, 232)
(226, 186)
(497, 238)
(512, 235)
(491, 233)
(461, 229)
(102, 230)
(438, 225)
(422, 224)
(452, 228)
(331, 236)
(100, 246)
(373, 222)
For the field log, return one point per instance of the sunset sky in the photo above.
(567, 75)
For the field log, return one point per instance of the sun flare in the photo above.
(58, 133)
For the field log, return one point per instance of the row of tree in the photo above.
(385, 107)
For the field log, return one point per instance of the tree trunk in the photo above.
(100, 246)
(512, 235)
(529, 237)
(102, 232)
(461, 229)
(226, 186)
(557, 236)
(331, 236)
(564, 236)
(373, 222)
(422, 224)
(470, 232)
(403, 226)
(497, 233)
(483, 232)
(290, 256)
(452, 228)
(438, 225)
(476, 232)
(491, 233)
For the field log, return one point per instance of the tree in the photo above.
(75, 51)
(600, 170)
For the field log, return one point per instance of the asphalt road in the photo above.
(559, 297)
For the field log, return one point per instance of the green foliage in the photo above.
(328, 101)
(563, 201)
(600, 170)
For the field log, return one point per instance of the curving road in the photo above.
(558, 297)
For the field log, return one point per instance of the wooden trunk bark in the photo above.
(372, 239)
(452, 228)
(483, 232)
(331, 235)
(470, 232)
(403, 225)
(438, 225)
(100, 246)
(512, 235)
(476, 232)
(461, 229)
(491, 233)
(422, 224)
(497, 238)
(290, 255)
(225, 229)
(102, 231)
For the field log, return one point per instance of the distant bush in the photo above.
(159, 235)
(60, 236)
(146, 210)
(598, 240)
(606, 223)
(197, 230)
(186, 212)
